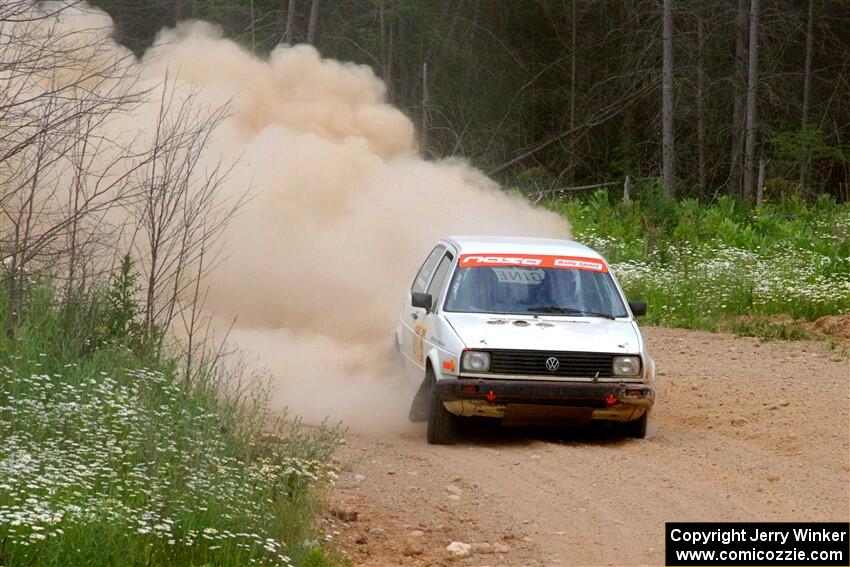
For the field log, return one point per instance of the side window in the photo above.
(421, 281)
(440, 277)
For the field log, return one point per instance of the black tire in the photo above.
(637, 428)
(442, 424)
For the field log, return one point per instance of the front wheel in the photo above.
(442, 424)
(637, 428)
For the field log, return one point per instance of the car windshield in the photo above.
(517, 290)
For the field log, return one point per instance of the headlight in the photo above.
(626, 366)
(475, 361)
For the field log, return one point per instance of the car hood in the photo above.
(581, 334)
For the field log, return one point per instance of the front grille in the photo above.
(533, 362)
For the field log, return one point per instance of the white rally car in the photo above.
(525, 330)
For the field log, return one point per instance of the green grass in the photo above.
(108, 457)
(701, 266)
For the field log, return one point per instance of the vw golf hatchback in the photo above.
(524, 331)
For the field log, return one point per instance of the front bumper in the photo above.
(620, 401)
(576, 394)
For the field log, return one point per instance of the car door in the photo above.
(428, 319)
(411, 329)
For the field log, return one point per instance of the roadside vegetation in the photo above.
(122, 445)
(110, 456)
(129, 436)
(722, 266)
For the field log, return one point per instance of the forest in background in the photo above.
(124, 443)
(547, 94)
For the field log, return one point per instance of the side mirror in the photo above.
(423, 300)
(638, 308)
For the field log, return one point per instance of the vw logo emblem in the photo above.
(552, 364)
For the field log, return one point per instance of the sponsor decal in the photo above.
(525, 276)
(419, 343)
(531, 261)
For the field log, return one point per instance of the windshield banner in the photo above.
(531, 261)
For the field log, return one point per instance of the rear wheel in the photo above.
(637, 428)
(442, 424)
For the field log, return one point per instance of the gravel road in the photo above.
(743, 430)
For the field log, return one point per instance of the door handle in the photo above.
(414, 315)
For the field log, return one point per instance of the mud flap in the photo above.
(421, 401)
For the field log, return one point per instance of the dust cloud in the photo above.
(342, 212)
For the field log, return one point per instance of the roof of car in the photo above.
(520, 245)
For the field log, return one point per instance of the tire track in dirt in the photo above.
(744, 430)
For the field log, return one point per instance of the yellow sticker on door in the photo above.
(419, 343)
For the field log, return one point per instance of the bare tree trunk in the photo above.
(382, 30)
(760, 184)
(668, 147)
(752, 91)
(807, 82)
(387, 35)
(314, 22)
(76, 194)
(739, 83)
(423, 135)
(289, 34)
(572, 166)
(390, 62)
(405, 85)
(178, 216)
(701, 102)
(807, 76)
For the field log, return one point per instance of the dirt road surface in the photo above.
(743, 430)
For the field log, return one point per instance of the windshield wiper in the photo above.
(567, 311)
